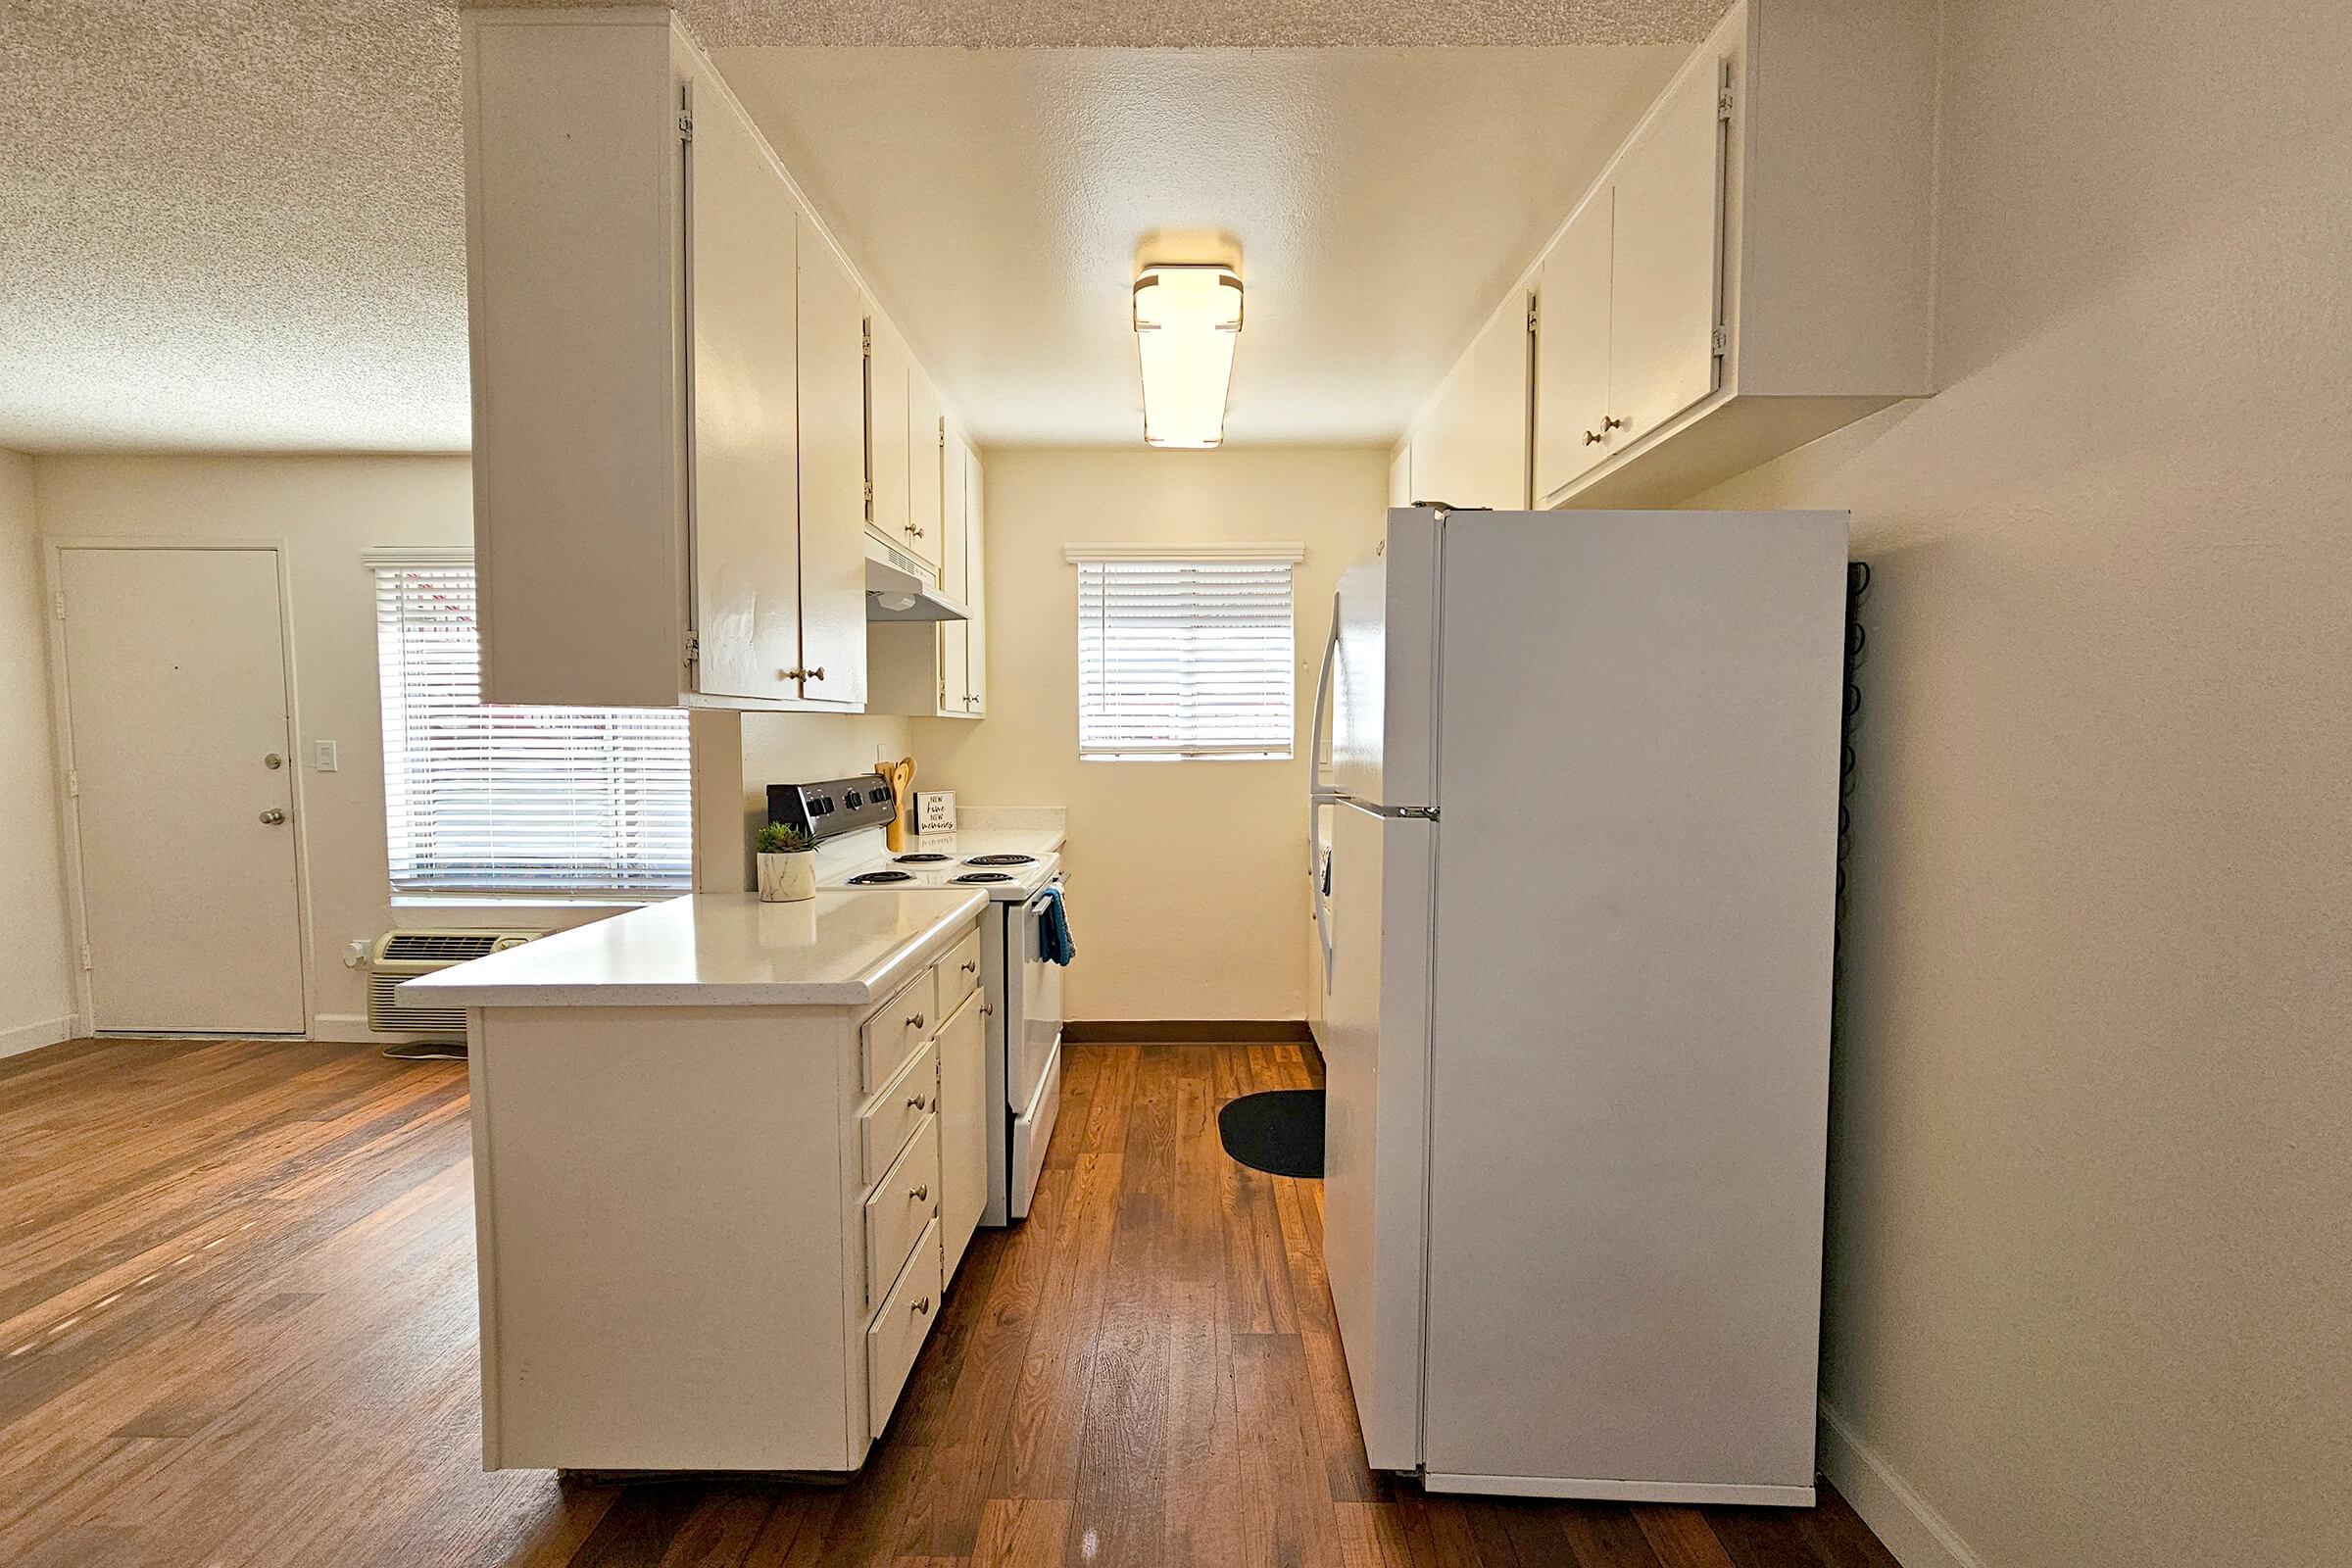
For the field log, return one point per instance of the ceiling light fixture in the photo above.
(1186, 320)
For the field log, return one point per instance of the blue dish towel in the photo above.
(1054, 943)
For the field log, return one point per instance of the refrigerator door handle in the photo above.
(1318, 792)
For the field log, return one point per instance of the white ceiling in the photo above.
(1383, 200)
(239, 226)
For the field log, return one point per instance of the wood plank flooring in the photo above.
(237, 1330)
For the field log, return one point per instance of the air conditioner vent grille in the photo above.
(401, 955)
(446, 947)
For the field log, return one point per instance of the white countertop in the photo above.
(719, 949)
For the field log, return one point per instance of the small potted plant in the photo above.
(787, 865)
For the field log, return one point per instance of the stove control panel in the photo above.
(833, 806)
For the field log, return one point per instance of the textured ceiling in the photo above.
(1185, 23)
(1382, 200)
(239, 225)
(230, 225)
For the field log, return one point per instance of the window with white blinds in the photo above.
(1183, 658)
(515, 800)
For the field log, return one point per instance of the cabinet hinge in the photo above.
(86, 955)
(73, 785)
(685, 128)
(1721, 342)
(869, 498)
(56, 603)
(1722, 104)
(694, 651)
(1531, 304)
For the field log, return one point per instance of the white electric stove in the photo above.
(1022, 991)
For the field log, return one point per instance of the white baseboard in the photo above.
(34, 1036)
(1902, 1519)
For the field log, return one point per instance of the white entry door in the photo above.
(182, 773)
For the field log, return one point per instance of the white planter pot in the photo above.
(788, 878)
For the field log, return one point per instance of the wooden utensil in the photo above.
(901, 774)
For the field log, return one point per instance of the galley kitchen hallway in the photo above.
(1146, 1373)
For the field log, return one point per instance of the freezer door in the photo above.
(1384, 668)
(1632, 1013)
(1374, 1034)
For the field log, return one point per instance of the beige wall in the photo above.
(328, 512)
(36, 993)
(1189, 889)
(2091, 1222)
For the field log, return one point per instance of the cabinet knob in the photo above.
(919, 1194)
(273, 817)
(970, 968)
(1611, 423)
(922, 1306)
(915, 1022)
(1593, 438)
(914, 1102)
(818, 673)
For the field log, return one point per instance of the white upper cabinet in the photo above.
(832, 382)
(689, 417)
(939, 669)
(1469, 445)
(1752, 267)
(888, 372)
(1572, 347)
(743, 377)
(926, 442)
(975, 590)
(1665, 242)
(656, 424)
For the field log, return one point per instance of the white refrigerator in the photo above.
(1575, 824)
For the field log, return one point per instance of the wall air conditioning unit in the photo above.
(398, 956)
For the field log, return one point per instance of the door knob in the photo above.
(273, 817)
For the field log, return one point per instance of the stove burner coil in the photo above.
(1001, 859)
(870, 878)
(983, 876)
(924, 858)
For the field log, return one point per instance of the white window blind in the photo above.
(1184, 658)
(515, 800)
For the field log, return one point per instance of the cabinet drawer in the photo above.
(884, 1126)
(959, 974)
(904, 1201)
(896, 1336)
(896, 1031)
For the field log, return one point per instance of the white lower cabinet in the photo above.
(896, 1336)
(688, 1260)
(962, 1140)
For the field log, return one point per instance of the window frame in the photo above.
(663, 870)
(1184, 744)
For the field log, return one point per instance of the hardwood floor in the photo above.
(237, 1328)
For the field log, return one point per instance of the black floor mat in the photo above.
(1279, 1132)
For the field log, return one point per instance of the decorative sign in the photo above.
(934, 811)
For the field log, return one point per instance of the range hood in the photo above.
(898, 587)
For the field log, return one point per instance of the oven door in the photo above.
(1029, 1051)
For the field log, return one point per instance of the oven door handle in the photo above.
(1037, 900)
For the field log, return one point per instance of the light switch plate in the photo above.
(322, 757)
